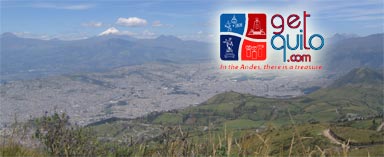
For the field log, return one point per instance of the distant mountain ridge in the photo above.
(354, 52)
(341, 36)
(359, 76)
(22, 57)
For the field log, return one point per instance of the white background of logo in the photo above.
(274, 57)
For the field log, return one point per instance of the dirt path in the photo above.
(327, 134)
(380, 127)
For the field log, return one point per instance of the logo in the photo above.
(243, 38)
(233, 36)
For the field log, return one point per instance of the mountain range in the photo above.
(348, 52)
(23, 58)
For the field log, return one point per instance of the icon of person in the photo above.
(229, 45)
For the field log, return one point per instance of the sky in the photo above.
(186, 19)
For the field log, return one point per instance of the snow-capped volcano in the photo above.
(111, 30)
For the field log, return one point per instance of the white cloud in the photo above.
(77, 7)
(92, 24)
(198, 36)
(65, 7)
(72, 36)
(66, 36)
(131, 21)
(32, 35)
(127, 33)
(157, 24)
(148, 34)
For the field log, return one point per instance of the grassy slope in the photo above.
(243, 114)
(319, 106)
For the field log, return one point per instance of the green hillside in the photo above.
(358, 94)
(360, 76)
(348, 107)
(341, 120)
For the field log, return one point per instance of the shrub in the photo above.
(62, 139)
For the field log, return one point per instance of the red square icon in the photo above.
(257, 26)
(253, 50)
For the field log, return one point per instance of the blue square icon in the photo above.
(232, 23)
(229, 47)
